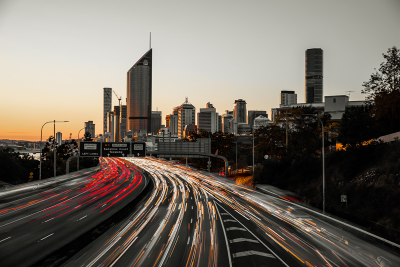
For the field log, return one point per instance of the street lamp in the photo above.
(323, 161)
(287, 139)
(41, 134)
(79, 147)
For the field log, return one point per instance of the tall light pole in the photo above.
(79, 148)
(41, 149)
(287, 139)
(323, 161)
(253, 151)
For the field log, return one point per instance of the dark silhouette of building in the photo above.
(252, 114)
(314, 75)
(155, 121)
(139, 95)
(123, 122)
(239, 111)
(117, 123)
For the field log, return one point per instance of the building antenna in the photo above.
(150, 40)
(349, 93)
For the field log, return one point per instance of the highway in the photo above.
(188, 218)
(48, 218)
(194, 219)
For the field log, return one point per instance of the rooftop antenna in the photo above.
(349, 93)
(150, 40)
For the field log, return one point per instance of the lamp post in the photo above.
(253, 152)
(323, 161)
(287, 139)
(79, 148)
(41, 135)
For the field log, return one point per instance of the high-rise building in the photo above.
(167, 119)
(186, 115)
(252, 114)
(155, 121)
(59, 138)
(314, 75)
(90, 128)
(219, 128)
(173, 124)
(117, 123)
(123, 122)
(207, 119)
(288, 98)
(139, 95)
(107, 93)
(110, 126)
(226, 117)
(239, 111)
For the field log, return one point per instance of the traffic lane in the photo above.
(306, 239)
(40, 232)
(339, 242)
(61, 230)
(25, 190)
(115, 242)
(161, 232)
(49, 197)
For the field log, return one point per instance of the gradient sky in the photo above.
(56, 56)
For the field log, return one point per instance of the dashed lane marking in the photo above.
(235, 228)
(242, 240)
(252, 252)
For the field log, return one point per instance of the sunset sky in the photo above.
(56, 56)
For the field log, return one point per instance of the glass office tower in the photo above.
(314, 75)
(139, 94)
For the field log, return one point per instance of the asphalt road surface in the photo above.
(190, 218)
(47, 219)
(194, 219)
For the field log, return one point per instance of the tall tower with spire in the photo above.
(139, 94)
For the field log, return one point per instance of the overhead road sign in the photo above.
(138, 149)
(115, 149)
(89, 149)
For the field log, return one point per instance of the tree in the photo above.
(357, 126)
(383, 92)
(88, 137)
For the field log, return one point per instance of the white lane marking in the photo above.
(188, 241)
(252, 252)
(192, 207)
(235, 228)
(5, 239)
(81, 218)
(242, 240)
(229, 220)
(226, 239)
(46, 237)
(256, 238)
(224, 213)
(191, 220)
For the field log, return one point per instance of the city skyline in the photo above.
(68, 53)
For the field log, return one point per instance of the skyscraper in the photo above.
(314, 75)
(90, 128)
(155, 121)
(107, 93)
(117, 123)
(226, 117)
(123, 122)
(239, 111)
(207, 119)
(288, 98)
(139, 95)
(110, 126)
(186, 115)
